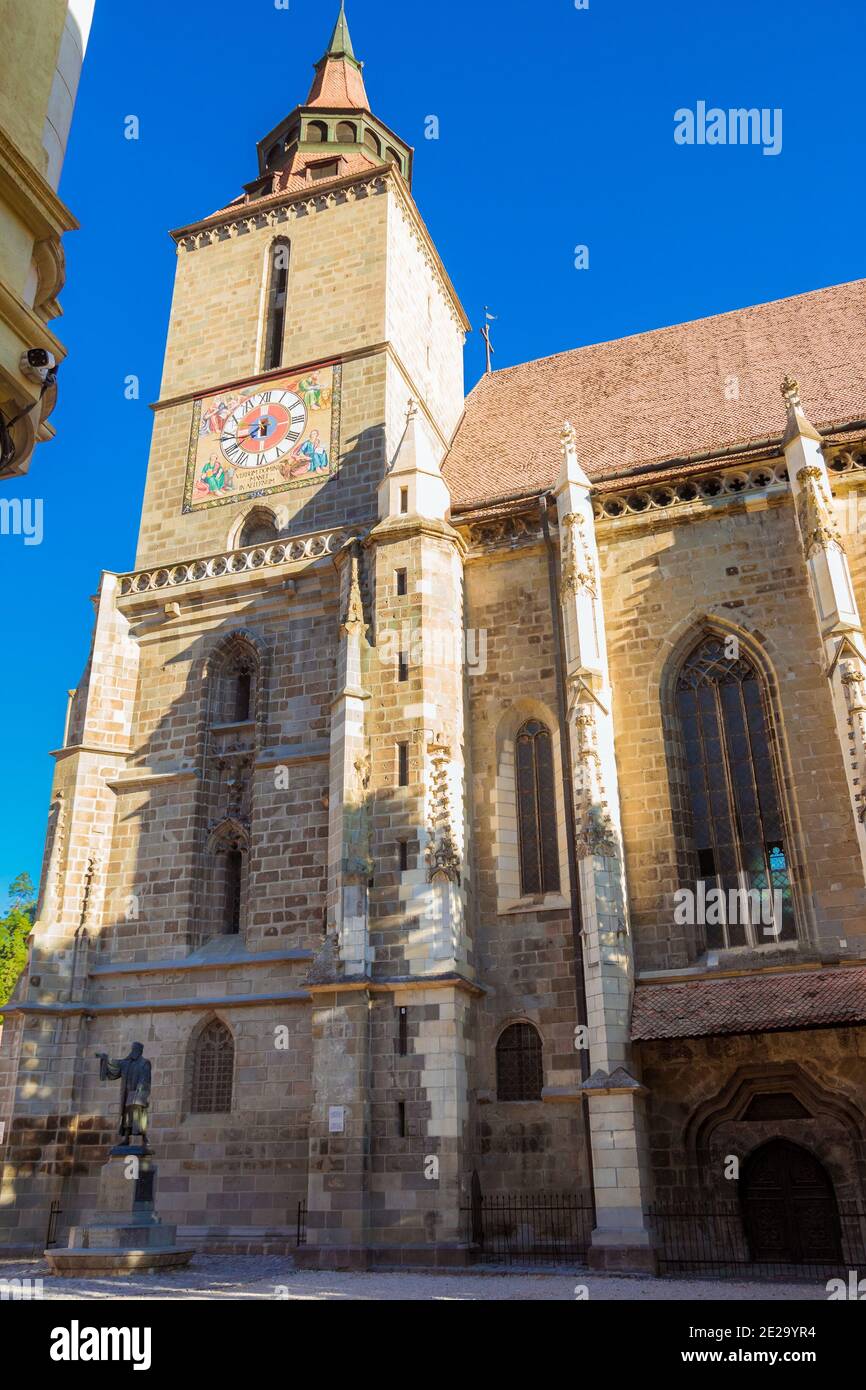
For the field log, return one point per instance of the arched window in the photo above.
(273, 155)
(259, 528)
(278, 290)
(212, 1070)
(736, 824)
(347, 134)
(393, 157)
(235, 681)
(519, 1072)
(372, 141)
(317, 132)
(536, 816)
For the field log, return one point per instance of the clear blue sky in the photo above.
(556, 130)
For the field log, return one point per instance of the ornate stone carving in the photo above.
(442, 855)
(578, 565)
(853, 679)
(300, 551)
(353, 623)
(791, 392)
(818, 527)
(716, 487)
(595, 831)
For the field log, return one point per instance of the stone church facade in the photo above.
(408, 753)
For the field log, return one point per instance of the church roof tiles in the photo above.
(668, 395)
(750, 1004)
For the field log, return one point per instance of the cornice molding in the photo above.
(26, 190)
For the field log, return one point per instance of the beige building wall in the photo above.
(44, 47)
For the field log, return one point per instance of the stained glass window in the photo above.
(736, 822)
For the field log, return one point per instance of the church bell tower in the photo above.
(258, 847)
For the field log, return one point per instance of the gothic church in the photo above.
(430, 761)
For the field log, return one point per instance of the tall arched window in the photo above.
(212, 1070)
(736, 823)
(235, 673)
(519, 1071)
(536, 814)
(278, 289)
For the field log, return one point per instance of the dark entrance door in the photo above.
(789, 1206)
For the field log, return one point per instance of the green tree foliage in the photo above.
(15, 928)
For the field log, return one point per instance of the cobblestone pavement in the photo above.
(257, 1278)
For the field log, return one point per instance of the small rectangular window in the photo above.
(402, 585)
(403, 666)
(401, 1118)
(404, 855)
(402, 1030)
(404, 500)
(402, 764)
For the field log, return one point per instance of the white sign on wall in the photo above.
(336, 1119)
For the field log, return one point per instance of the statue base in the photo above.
(126, 1234)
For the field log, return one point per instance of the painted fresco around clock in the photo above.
(264, 437)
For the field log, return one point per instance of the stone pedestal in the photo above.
(126, 1234)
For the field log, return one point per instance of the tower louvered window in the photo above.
(278, 289)
(736, 822)
(213, 1069)
(536, 810)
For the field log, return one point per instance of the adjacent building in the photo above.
(43, 51)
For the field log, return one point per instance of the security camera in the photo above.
(37, 364)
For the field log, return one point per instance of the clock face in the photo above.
(263, 429)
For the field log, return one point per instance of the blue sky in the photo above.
(555, 131)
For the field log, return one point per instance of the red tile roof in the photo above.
(661, 396)
(338, 85)
(750, 1004)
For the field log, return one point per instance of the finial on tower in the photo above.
(571, 473)
(485, 333)
(791, 392)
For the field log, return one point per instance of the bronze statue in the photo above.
(134, 1074)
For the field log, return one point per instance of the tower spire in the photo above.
(341, 40)
(339, 83)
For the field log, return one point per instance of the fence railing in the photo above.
(697, 1238)
(529, 1227)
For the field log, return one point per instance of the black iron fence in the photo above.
(712, 1240)
(529, 1228)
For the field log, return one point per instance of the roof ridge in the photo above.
(668, 328)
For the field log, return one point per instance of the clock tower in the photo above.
(257, 861)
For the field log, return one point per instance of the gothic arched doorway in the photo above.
(789, 1206)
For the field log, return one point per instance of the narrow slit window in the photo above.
(401, 1118)
(277, 301)
(404, 500)
(402, 1031)
(234, 880)
(403, 666)
(243, 696)
(402, 764)
(402, 584)
(404, 855)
